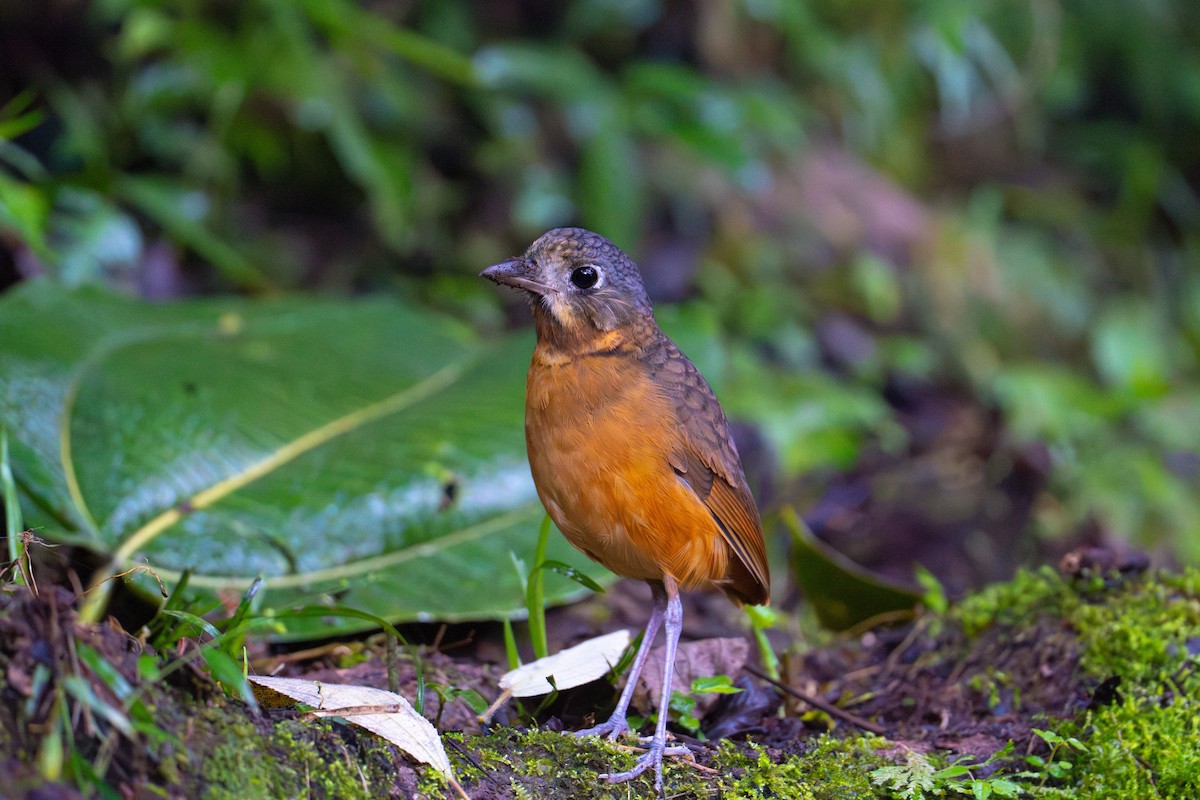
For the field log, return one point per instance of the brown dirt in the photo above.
(926, 683)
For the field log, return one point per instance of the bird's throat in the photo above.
(562, 339)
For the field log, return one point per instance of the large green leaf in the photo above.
(843, 594)
(358, 452)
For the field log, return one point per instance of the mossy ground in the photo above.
(310, 758)
(545, 764)
(1111, 663)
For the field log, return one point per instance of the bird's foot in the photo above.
(651, 759)
(610, 730)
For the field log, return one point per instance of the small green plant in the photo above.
(14, 528)
(88, 686)
(448, 694)
(85, 686)
(919, 778)
(762, 619)
(535, 596)
(222, 640)
(510, 645)
(182, 617)
(683, 712)
(683, 704)
(1054, 766)
(934, 597)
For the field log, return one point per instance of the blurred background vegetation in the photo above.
(943, 255)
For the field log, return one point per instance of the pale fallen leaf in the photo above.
(382, 712)
(575, 666)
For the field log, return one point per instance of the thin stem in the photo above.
(13, 524)
(535, 596)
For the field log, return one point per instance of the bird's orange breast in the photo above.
(599, 434)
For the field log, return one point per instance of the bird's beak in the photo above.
(516, 272)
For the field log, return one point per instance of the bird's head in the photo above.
(579, 284)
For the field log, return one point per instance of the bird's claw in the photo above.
(644, 762)
(610, 730)
(652, 758)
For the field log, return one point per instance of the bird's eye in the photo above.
(585, 277)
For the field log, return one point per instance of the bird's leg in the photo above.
(672, 617)
(616, 724)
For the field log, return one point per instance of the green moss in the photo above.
(1135, 749)
(1139, 631)
(1143, 745)
(1149, 750)
(234, 768)
(1029, 595)
(549, 764)
(541, 764)
(1146, 744)
(293, 761)
(431, 783)
(832, 770)
(1142, 636)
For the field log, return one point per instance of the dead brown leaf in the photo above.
(699, 659)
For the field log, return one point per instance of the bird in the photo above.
(630, 451)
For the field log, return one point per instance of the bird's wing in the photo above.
(705, 456)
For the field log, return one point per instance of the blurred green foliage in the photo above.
(998, 196)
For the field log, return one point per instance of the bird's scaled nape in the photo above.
(668, 614)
